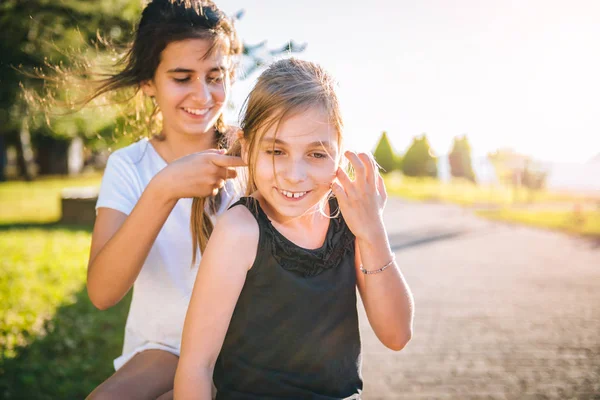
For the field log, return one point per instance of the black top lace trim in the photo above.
(308, 262)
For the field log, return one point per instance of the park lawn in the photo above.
(587, 223)
(39, 201)
(53, 342)
(458, 191)
(463, 192)
(500, 199)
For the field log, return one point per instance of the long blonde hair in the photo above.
(287, 87)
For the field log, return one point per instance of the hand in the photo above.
(199, 174)
(362, 200)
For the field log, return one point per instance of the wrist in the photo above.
(374, 232)
(378, 270)
(375, 247)
(161, 189)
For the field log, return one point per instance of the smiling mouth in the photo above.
(200, 112)
(292, 195)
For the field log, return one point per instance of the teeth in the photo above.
(292, 195)
(196, 111)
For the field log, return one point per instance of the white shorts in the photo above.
(120, 361)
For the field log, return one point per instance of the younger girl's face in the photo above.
(296, 163)
(190, 87)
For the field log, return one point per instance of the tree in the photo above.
(460, 159)
(384, 154)
(44, 33)
(518, 171)
(40, 33)
(534, 177)
(419, 159)
(508, 165)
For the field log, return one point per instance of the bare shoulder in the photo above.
(240, 220)
(237, 229)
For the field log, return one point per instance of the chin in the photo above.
(296, 210)
(199, 130)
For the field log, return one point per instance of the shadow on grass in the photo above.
(48, 226)
(73, 357)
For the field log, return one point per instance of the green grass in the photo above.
(521, 206)
(463, 192)
(53, 342)
(42, 270)
(37, 201)
(586, 223)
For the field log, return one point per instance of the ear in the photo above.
(239, 135)
(244, 145)
(148, 88)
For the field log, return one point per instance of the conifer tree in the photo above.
(419, 159)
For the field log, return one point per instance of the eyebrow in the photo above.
(189, 71)
(318, 143)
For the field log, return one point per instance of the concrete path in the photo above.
(502, 311)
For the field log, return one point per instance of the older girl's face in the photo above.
(190, 86)
(296, 163)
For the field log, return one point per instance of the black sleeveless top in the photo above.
(294, 331)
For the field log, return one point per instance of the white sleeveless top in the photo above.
(162, 290)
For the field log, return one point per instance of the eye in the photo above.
(274, 152)
(216, 79)
(181, 80)
(319, 155)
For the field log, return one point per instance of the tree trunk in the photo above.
(26, 160)
(2, 158)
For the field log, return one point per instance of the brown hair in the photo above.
(162, 22)
(286, 88)
(201, 226)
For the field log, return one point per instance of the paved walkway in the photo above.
(502, 311)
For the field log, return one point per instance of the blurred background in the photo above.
(484, 116)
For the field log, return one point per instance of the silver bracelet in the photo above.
(376, 271)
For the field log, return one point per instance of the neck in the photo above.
(173, 146)
(308, 230)
(311, 219)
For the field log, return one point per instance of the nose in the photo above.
(201, 91)
(295, 172)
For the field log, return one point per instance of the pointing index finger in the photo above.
(222, 160)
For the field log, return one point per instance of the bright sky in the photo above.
(508, 73)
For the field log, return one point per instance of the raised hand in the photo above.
(363, 199)
(200, 174)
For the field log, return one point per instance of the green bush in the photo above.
(384, 154)
(419, 159)
(459, 159)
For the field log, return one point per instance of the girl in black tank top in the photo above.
(273, 312)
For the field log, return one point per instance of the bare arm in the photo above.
(220, 279)
(386, 296)
(121, 243)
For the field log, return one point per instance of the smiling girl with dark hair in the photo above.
(183, 57)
